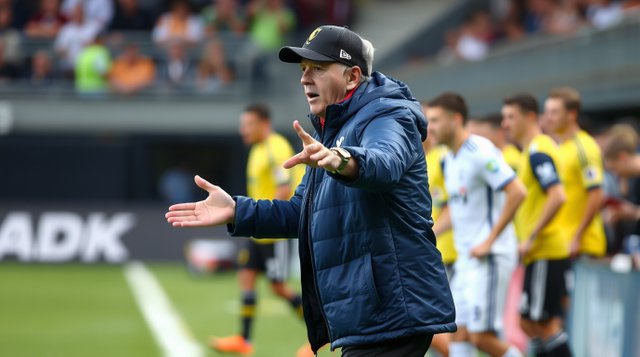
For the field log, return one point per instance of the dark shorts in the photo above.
(545, 287)
(271, 258)
(414, 346)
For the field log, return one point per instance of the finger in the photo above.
(179, 213)
(204, 184)
(183, 206)
(303, 135)
(188, 224)
(293, 161)
(319, 155)
(182, 219)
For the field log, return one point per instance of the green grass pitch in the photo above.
(89, 310)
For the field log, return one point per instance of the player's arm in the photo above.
(546, 174)
(592, 177)
(556, 197)
(515, 193)
(595, 199)
(443, 223)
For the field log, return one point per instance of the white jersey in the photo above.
(474, 178)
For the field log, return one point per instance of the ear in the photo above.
(353, 77)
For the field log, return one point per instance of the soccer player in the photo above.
(266, 179)
(435, 155)
(490, 127)
(484, 195)
(582, 174)
(545, 250)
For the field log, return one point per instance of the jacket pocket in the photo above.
(350, 298)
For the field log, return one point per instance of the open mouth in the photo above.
(312, 95)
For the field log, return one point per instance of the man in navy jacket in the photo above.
(372, 279)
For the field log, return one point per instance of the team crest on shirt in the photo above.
(546, 173)
(339, 141)
(492, 166)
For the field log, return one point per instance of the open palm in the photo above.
(218, 208)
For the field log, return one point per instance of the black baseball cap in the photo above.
(329, 44)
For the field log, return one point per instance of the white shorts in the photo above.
(479, 290)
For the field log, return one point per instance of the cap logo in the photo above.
(345, 55)
(313, 35)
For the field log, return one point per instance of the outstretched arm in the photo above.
(217, 209)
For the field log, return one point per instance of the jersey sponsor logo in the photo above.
(492, 166)
(461, 196)
(546, 173)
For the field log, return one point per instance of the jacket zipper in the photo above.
(313, 261)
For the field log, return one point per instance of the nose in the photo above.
(305, 78)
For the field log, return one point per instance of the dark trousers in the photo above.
(414, 346)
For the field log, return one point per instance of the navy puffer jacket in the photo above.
(370, 268)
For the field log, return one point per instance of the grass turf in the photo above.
(89, 310)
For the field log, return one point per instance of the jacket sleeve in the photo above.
(268, 218)
(387, 149)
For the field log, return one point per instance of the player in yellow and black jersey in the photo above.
(266, 179)
(544, 248)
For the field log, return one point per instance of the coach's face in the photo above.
(442, 125)
(326, 83)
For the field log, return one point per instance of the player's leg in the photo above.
(460, 346)
(277, 270)
(554, 339)
(542, 307)
(250, 264)
(490, 284)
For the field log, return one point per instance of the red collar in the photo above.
(349, 95)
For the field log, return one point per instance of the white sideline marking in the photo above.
(170, 333)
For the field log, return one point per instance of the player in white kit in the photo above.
(484, 194)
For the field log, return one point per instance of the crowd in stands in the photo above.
(514, 20)
(128, 46)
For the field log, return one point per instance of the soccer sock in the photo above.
(512, 352)
(558, 345)
(461, 349)
(247, 312)
(537, 347)
(296, 304)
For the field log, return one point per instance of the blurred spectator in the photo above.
(565, 18)
(131, 72)
(92, 67)
(47, 21)
(10, 38)
(551, 16)
(270, 22)
(73, 37)
(20, 11)
(213, 70)
(475, 37)
(41, 71)
(130, 16)
(631, 5)
(223, 16)
(178, 25)
(100, 11)
(604, 13)
(177, 70)
(8, 71)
